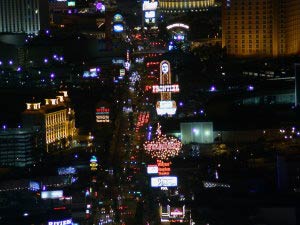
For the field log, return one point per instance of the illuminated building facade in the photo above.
(197, 132)
(293, 27)
(182, 6)
(56, 120)
(19, 16)
(267, 28)
(17, 146)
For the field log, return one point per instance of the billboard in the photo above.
(166, 107)
(152, 169)
(166, 181)
(51, 194)
(150, 5)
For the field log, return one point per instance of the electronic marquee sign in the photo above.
(166, 107)
(164, 181)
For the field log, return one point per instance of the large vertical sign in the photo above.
(149, 9)
(166, 106)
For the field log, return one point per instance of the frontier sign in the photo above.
(165, 88)
(166, 106)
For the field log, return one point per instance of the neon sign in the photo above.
(165, 88)
(61, 222)
(162, 147)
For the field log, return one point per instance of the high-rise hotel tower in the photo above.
(267, 28)
(23, 16)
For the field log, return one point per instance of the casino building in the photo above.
(55, 119)
(19, 16)
(261, 28)
(182, 6)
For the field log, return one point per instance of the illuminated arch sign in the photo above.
(178, 25)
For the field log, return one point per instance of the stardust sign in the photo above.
(163, 146)
(165, 88)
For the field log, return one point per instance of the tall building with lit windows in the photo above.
(267, 28)
(55, 119)
(293, 27)
(23, 16)
(182, 6)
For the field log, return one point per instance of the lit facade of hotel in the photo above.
(267, 28)
(17, 146)
(55, 119)
(20, 16)
(181, 6)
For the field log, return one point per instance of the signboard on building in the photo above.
(166, 181)
(150, 5)
(122, 72)
(118, 18)
(164, 168)
(176, 211)
(152, 169)
(66, 170)
(51, 194)
(102, 115)
(166, 108)
(93, 163)
(61, 222)
(174, 88)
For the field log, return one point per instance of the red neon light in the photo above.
(102, 110)
(59, 208)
